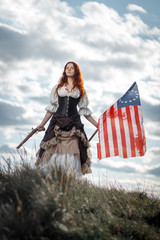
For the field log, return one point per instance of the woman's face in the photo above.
(70, 71)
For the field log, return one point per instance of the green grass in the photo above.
(57, 206)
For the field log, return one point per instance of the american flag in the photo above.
(120, 128)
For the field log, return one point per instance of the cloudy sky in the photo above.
(115, 43)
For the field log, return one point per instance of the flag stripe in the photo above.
(142, 128)
(122, 133)
(131, 134)
(114, 134)
(103, 153)
(111, 147)
(135, 131)
(139, 142)
(126, 130)
(99, 144)
(119, 137)
(98, 151)
(105, 132)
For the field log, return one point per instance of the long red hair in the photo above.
(77, 80)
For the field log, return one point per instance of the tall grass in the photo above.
(58, 206)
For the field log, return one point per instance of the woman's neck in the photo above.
(70, 80)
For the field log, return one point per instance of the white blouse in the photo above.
(62, 92)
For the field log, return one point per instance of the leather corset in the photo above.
(67, 106)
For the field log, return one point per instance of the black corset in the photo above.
(67, 106)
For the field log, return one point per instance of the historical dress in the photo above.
(65, 143)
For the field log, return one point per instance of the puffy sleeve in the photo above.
(53, 101)
(83, 106)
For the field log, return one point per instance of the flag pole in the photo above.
(93, 135)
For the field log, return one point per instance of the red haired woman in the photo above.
(65, 143)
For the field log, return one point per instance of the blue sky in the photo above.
(152, 19)
(115, 43)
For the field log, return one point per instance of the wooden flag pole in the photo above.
(93, 134)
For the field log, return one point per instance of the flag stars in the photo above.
(130, 98)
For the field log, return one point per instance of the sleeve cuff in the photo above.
(51, 108)
(85, 111)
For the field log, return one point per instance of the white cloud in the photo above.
(152, 130)
(154, 152)
(31, 13)
(136, 8)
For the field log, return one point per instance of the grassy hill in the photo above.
(57, 206)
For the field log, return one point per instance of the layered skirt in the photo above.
(65, 145)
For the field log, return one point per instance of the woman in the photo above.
(65, 143)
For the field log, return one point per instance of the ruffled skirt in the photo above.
(69, 162)
(65, 145)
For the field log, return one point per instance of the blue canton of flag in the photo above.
(131, 97)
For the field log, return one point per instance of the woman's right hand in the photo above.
(40, 127)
